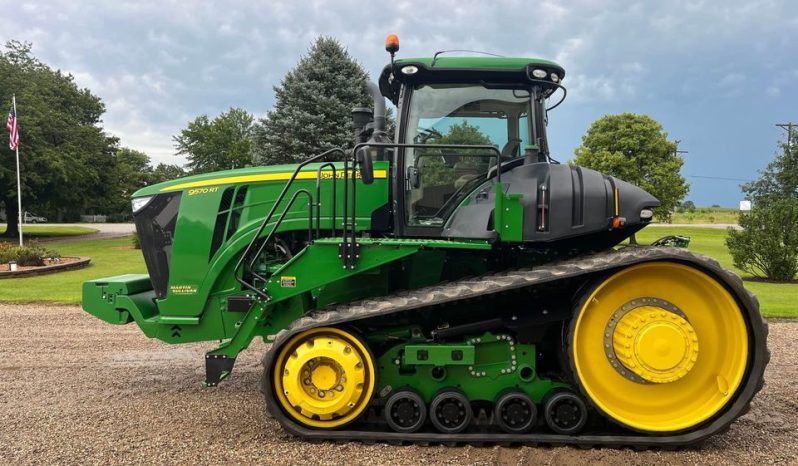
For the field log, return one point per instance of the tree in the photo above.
(65, 155)
(163, 172)
(767, 245)
(779, 179)
(688, 206)
(464, 134)
(219, 144)
(130, 171)
(435, 171)
(636, 149)
(312, 111)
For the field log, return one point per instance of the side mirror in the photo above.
(366, 167)
(413, 178)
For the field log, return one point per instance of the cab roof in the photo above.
(463, 69)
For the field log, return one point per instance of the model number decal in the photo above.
(193, 192)
(288, 282)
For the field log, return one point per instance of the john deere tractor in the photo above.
(452, 283)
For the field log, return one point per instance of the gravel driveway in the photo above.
(76, 390)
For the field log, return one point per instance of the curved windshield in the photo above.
(438, 179)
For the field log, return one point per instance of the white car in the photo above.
(33, 218)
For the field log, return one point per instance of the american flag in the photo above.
(13, 130)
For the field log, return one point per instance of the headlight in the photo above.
(140, 202)
(646, 214)
(410, 69)
(540, 74)
(555, 77)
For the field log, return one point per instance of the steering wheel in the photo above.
(425, 134)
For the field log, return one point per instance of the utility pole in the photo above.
(677, 151)
(788, 126)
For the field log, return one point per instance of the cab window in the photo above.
(437, 179)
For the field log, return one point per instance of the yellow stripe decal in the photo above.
(617, 206)
(284, 176)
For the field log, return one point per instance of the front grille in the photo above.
(155, 225)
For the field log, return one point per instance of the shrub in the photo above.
(28, 255)
(767, 246)
(8, 253)
(135, 240)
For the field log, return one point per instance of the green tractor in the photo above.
(453, 284)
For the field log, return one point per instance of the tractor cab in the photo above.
(463, 101)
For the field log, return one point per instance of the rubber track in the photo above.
(513, 280)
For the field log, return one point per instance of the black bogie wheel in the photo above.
(405, 411)
(450, 412)
(515, 412)
(565, 412)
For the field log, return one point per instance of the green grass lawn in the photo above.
(108, 257)
(776, 299)
(707, 215)
(42, 231)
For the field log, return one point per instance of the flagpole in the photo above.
(19, 184)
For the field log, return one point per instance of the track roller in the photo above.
(450, 412)
(515, 412)
(565, 412)
(405, 411)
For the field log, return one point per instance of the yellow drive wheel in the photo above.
(659, 347)
(324, 377)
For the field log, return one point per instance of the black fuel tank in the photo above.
(559, 202)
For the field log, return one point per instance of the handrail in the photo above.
(268, 218)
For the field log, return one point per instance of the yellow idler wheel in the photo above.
(659, 347)
(324, 377)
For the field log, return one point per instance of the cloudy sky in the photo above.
(717, 74)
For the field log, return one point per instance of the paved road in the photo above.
(104, 230)
(74, 389)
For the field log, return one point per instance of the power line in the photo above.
(718, 178)
(789, 126)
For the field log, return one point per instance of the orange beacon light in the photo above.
(392, 43)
